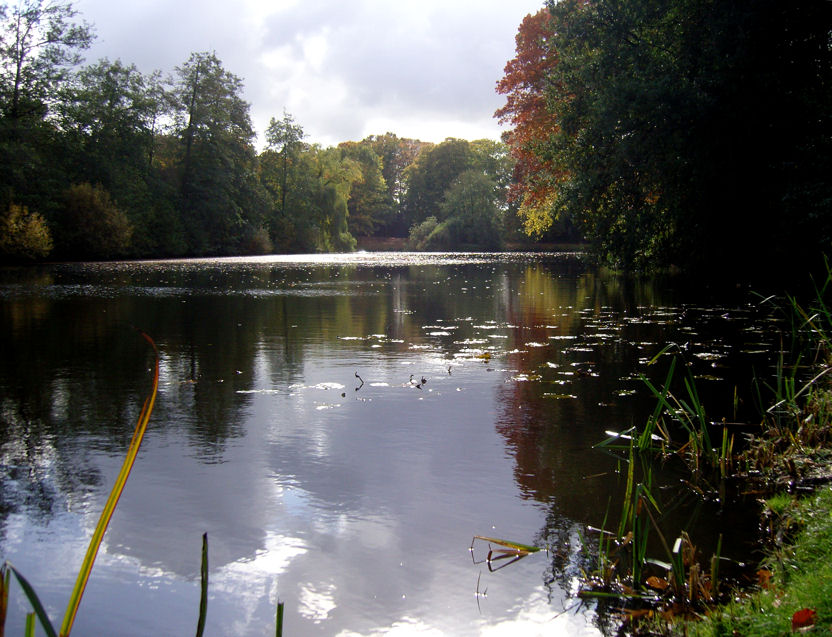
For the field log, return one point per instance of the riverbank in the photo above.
(794, 581)
(792, 462)
(399, 244)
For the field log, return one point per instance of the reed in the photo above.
(679, 412)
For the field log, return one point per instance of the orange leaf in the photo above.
(764, 578)
(803, 618)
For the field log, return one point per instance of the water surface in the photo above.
(341, 427)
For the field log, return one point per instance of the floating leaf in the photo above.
(658, 583)
(513, 545)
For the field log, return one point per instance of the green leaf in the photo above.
(35, 602)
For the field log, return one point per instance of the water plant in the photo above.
(710, 461)
(512, 551)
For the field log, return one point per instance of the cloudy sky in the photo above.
(344, 69)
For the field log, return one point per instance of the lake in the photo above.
(342, 426)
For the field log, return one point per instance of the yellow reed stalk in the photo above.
(112, 501)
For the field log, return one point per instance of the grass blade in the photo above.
(112, 500)
(34, 601)
(29, 630)
(203, 585)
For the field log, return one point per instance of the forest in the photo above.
(684, 133)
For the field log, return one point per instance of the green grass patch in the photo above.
(796, 577)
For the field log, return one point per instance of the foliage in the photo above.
(39, 42)
(23, 235)
(434, 170)
(524, 85)
(470, 203)
(92, 227)
(420, 233)
(218, 177)
(370, 204)
(679, 131)
(396, 155)
(175, 169)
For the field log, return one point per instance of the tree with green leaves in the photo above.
(284, 141)
(692, 132)
(370, 205)
(396, 154)
(91, 225)
(40, 45)
(434, 170)
(220, 193)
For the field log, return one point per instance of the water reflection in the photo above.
(339, 426)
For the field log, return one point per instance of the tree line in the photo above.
(686, 132)
(103, 161)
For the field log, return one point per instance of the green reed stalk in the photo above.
(203, 588)
(4, 596)
(279, 621)
(34, 601)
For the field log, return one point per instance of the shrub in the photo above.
(24, 235)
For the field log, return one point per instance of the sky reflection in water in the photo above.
(352, 499)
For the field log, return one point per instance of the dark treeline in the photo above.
(103, 161)
(687, 132)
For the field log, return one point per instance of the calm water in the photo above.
(353, 500)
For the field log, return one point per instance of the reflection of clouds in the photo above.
(250, 581)
(535, 616)
(401, 628)
(317, 603)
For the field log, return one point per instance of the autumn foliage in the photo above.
(524, 85)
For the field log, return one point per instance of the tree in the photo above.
(471, 211)
(525, 85)
(396, 154)
(686, 132)
(285, 138)
(221, 195)
(370, 205)
(40, 43)
(431, 174)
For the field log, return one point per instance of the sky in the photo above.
(424, 69)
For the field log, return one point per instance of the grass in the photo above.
(793, 591)
(797, 578)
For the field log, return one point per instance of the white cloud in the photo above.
(344, 69)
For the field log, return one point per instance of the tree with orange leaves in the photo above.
(527, 87)
(524, 85)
